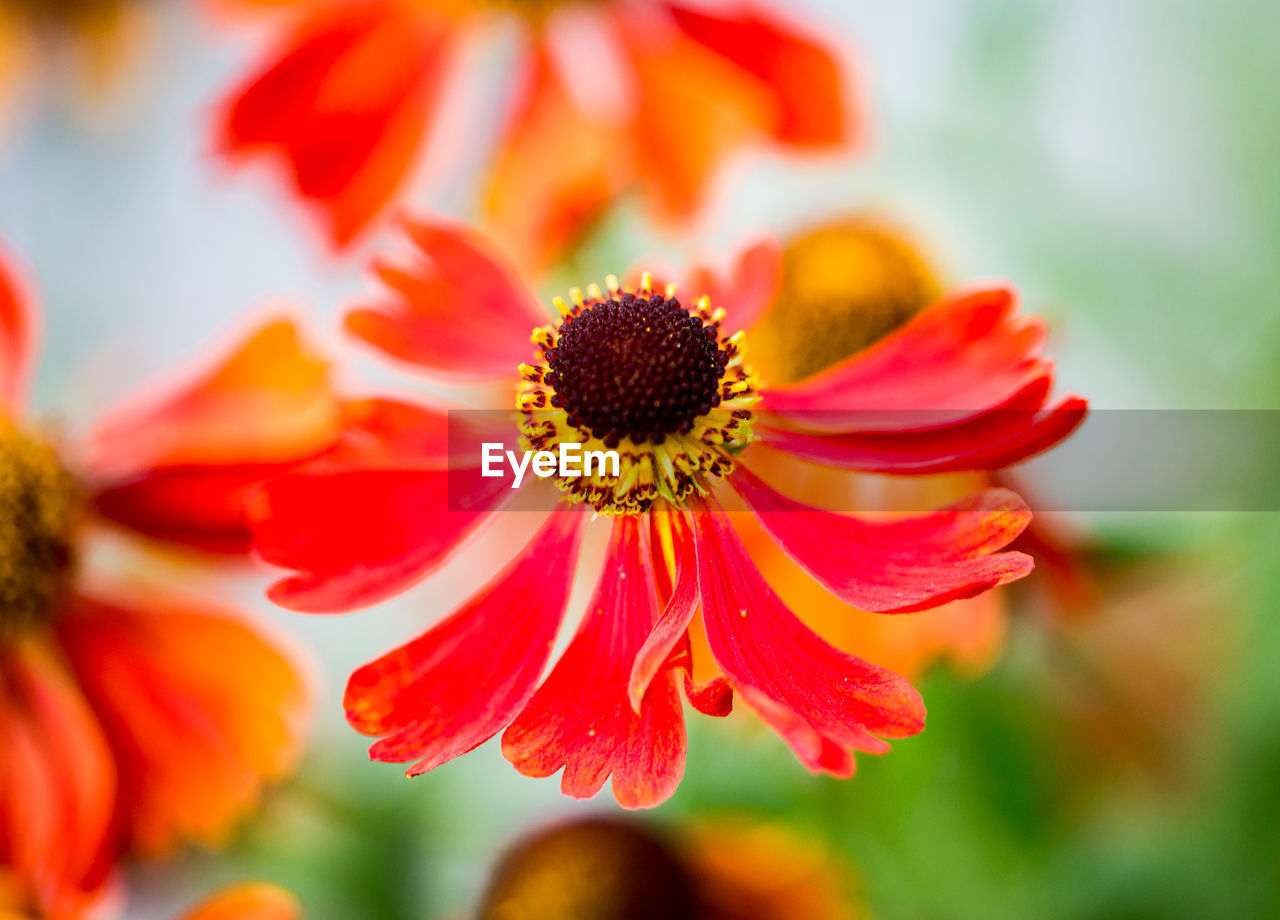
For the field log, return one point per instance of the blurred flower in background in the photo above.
(611, 97)
(84, 48)
(677, 582)
(135, 717)
(248, 901)
(725, 868)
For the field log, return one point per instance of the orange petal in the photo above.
(200, 709)
(556, 171)
(249, 901)
(693, 108)
(180, 464)
(57, 783)
(767, 871)
(268, 402)
(800, 74)
(345, 103)
(17, 335)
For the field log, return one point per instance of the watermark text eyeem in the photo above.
(568, 462)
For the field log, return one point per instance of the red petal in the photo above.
(581, 718)
(355, 538)
(198, 507)
(668, 645)
(749, 289)
(993, 441)
(17, 336)
(900, 565)
(714, 698)
(345, 103)
(201, 711)
(670, 628)
(377, 514)
(380, 433)
(822, 701)
(460, 311)
(965, 355)
(57, 783)
(800, 73)
(459, 683)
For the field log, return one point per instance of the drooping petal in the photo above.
(556, 170)
(462, 681)
(385, 507)
(993, 441)
(460, 311)
(669, 645)
(17, 336)
(670, 627)
(801, 76)
(345, 103)
(200, 709)
(582, 718)
(714, 698)
(897, 566)
(57, 783)
(248, 901)
(748, 290)
(965, 355)
(969, 635)
(179, 462)
(822, 701)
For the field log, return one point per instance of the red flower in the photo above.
(133, 717)
(647, 93)
(638, 371)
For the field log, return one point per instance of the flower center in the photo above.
(845, 285)
(38, 504)
(596, 869)
(639, 373)
(71, 12)
(643, 367)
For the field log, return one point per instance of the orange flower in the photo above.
(250, 901)
(612, 96)
(136, 718)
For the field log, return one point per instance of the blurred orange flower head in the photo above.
(135, 717)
